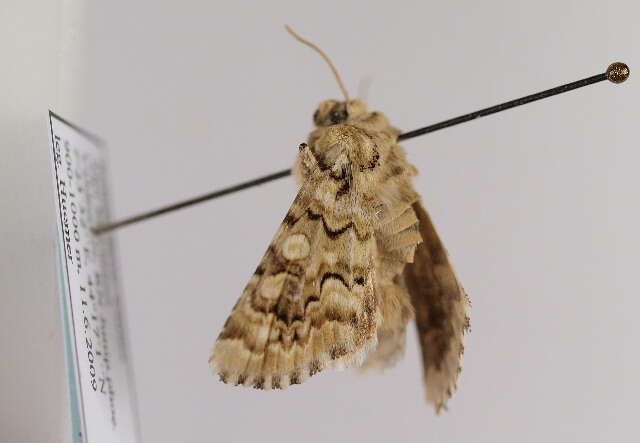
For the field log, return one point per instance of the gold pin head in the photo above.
(617, 72)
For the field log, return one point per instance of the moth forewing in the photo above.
(311, 302)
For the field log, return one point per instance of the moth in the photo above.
(355, 258)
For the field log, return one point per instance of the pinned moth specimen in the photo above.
(355, 258)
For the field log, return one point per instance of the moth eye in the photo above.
(315, 115)
(337, 116)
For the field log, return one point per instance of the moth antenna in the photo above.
(324, 56)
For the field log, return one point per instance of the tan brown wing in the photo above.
(397, 236)
(396, 243)
(395, 309)
(310, 303)
(441, 312)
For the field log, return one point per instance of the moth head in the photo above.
(332, 112)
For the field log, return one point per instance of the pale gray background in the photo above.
(537, 207)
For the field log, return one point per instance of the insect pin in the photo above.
(354, 259)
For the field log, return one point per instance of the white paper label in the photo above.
(100, 383)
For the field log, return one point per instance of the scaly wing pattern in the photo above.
(310, 304)
(397, 237)
(441, 312)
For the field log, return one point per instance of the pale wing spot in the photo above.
(335, 293)
(272, 286)
(325, 193)
(295, 247)
(344, 302)
(330, 257)
(263, 335)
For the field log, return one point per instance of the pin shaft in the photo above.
(183, 204)
(504, 106)
(616, 73)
